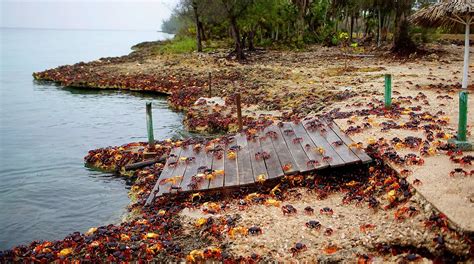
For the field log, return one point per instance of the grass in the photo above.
(176, 46)
(185, 44)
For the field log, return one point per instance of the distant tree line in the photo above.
(294, 22)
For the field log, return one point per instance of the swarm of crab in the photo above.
(157, 233)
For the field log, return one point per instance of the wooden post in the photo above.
(210, 86)
(388, 91)
(149, 126)
(239, 111)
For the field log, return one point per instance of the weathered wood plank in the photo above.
(178, 173)
(165, 187)
(342, 150)
(209, 158)
(320, 141)
(258, 165)
(192, 168)
(206, 162)
(281, 149)
(299, 156)
(272, 163)
(165, 173)
(231, 177)
(218, 165)
(244, 165)
(309, 148)
(348, 141)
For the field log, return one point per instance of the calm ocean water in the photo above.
(45, 131)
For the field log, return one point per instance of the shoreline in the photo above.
(292, 104)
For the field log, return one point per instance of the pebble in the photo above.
(427, 207)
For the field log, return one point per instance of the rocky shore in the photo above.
(373, 214)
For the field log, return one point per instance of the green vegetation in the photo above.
(177, 45)
(184, 44)
(292, 23)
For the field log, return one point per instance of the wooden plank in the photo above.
(273, 165)
(282, 151)
(299, 156)
(258, 165)
(230, 166)
(342, 150)
(165, 173)
(348, 141)
(309, 148)
(320, 141)
(218, 165)
(244, 165)
(207, 162)
(178, 172)
(192, 169)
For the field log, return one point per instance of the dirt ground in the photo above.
(349, 239)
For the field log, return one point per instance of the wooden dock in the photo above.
(245, 159)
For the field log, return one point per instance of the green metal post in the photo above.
(149, 126)
(462, 127)
(388, 91)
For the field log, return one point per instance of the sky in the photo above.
(86, 14)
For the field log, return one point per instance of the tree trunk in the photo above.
(352, 28)
(288, 31)
(366, 32)
(276, 34)
(402, 42)
(201, 28)
(250, 40)
(198, 30)
(379, 29)
(236, 34)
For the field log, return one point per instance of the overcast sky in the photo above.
(86, 14)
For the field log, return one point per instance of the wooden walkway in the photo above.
(240, 160)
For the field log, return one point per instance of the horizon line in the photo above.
(82, 29)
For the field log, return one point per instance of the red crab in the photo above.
(308, 210)
(288, 209)
(406, 172)
(262, 155)
(313, 224)
(298, 248)
(328, 231)
(417, 182)
(312, 163)
(297, 140)
(255, 230)
(327, 158)
(458, 171)
(326, 211)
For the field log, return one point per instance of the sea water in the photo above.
(45, 131)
